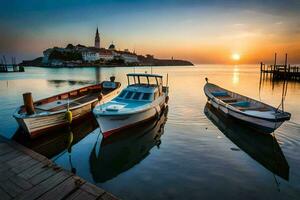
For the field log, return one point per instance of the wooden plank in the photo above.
(24, 166)
(42, 176)
(81, 194)
(33, 170)
(9, 156)
(5, 148)
(44, 186)
(108, 196)
(63, 189)
(27, 151)
(21, 182)
(25, 175)
(92, 189)
(4, 195)
(18, 160)
(5, 174)
(11, 188)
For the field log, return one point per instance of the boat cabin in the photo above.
(142, 87)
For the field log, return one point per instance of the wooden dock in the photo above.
(25, 174)
(281, 72)
(11, 68)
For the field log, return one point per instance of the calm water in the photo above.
(191, 152)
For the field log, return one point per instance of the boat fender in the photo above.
(68, 116)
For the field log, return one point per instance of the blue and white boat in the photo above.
(256, 114)
(143, 99)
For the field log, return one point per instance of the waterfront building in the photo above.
(90, 55)
(106, 55)
(129, 57)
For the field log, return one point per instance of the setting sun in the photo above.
(235, 56)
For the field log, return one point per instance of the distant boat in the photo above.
(263, 148)
(143, 99)
(261, 116)
(49, 113)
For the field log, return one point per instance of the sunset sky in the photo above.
(209, 31)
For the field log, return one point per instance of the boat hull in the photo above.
(37, 125)
(260, 124)
(117, 123)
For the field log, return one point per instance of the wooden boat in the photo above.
(143, 99)
(263, 148)
(49, 113)
(261, 116)
(53, 142)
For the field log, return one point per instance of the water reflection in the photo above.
(63, 83)
(236, 75)
(261, 147)
(52, 143)
(121, 152)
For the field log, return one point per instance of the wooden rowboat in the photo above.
(49, 113)
(256, 114)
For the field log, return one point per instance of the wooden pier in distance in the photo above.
(25, 174)
(13, 67)
(281, 72)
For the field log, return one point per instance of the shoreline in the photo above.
(106, 66)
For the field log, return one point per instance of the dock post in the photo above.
(28, 103)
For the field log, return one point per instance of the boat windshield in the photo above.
(144, 79)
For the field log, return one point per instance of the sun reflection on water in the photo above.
(236, 75)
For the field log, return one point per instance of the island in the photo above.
(82, 56)
(86, 56)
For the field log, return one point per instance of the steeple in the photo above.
(97, 39)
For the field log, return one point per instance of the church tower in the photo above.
(97, 40)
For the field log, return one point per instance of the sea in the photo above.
(190, 152)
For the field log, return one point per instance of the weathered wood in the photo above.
(4, 149)
(25, 165)
(92, 189)
(11, 188)
(81, 194)
(28, 103)
(25, 174)
(63, 189)
(42, 176)
(21, 182)
(43, 187)
(9, 156)
(4, 195)
(107, 196)
(33, 170)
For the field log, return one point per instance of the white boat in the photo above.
(258, 115)
(143, 99)
(50, 113)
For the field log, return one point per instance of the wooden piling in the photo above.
(281, 72)
(28, 103)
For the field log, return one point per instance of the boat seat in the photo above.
(228, 99)
(253, 108)
(220, 93)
